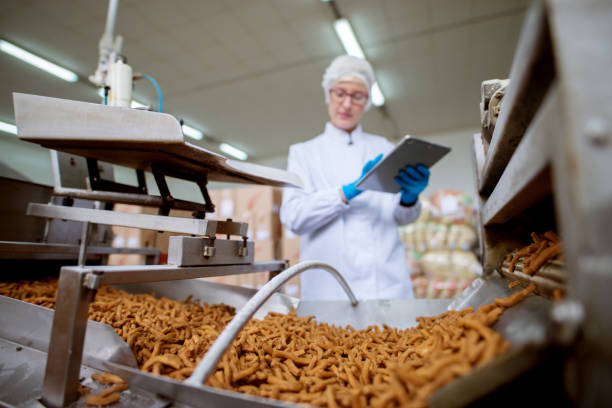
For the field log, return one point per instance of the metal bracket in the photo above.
(244, 249)
(97, 183)
(209, 246)
(164, 191)
(142, 181)
(92, 280)
(210, 207)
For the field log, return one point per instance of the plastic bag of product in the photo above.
(461, 236)
(426, 210)
(452, 206)
(419, 286)
(408, 236)
(465, 265)
(450, 264)
(420, 236)
(437, 235)
(437, 264)
(413, 262)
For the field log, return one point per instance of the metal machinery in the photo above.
(49, 370)
(34, 241)
(543, 161)
(543, 166)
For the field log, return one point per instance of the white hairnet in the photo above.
(347, 67)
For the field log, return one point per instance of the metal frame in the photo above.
(145, 221)
(564, 152)
(34, 250)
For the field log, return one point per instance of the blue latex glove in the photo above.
(349, 190)
(413, 181)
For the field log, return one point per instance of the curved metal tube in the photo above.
(208, 363)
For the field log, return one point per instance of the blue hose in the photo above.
(157, 88)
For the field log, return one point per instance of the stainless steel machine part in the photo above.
(132, 138)
(119, 275)
(145, 221)
(208, 363)
(548, 167)
(193, 395)
(522, 324)
(35, 250)
(125, 198)
(30, 325)
(192, 251)
(76, 289)
(67, 337)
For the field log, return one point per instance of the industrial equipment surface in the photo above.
(545, 167)
(133, 138)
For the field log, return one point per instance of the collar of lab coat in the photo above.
(342, 136)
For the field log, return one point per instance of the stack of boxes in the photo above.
(259, 206)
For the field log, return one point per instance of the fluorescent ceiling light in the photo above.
(378, 99)
(345, 33)
(8, 128)
(233, 151)
(38, 62)
(192, 132)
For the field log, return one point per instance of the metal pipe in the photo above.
(109, 29)
(126, 198)
(207, 365)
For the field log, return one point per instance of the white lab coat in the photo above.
(360, 239)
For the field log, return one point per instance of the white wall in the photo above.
(28, 159)
(454, 171)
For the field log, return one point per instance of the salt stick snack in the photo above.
(544, 248)
(107, 396)
(295, 358)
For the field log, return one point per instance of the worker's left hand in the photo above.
(413, 181)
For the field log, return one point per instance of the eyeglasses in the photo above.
(358, 98)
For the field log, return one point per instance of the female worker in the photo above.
(352, 230)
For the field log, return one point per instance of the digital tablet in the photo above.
(409, 151)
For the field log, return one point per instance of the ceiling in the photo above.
(248, 71)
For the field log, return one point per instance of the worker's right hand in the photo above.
(349, 190)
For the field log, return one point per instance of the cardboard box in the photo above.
(290, 250)
(225, 203)
(267, 250)
(264, 251)
(259, 207)
(124, 237)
